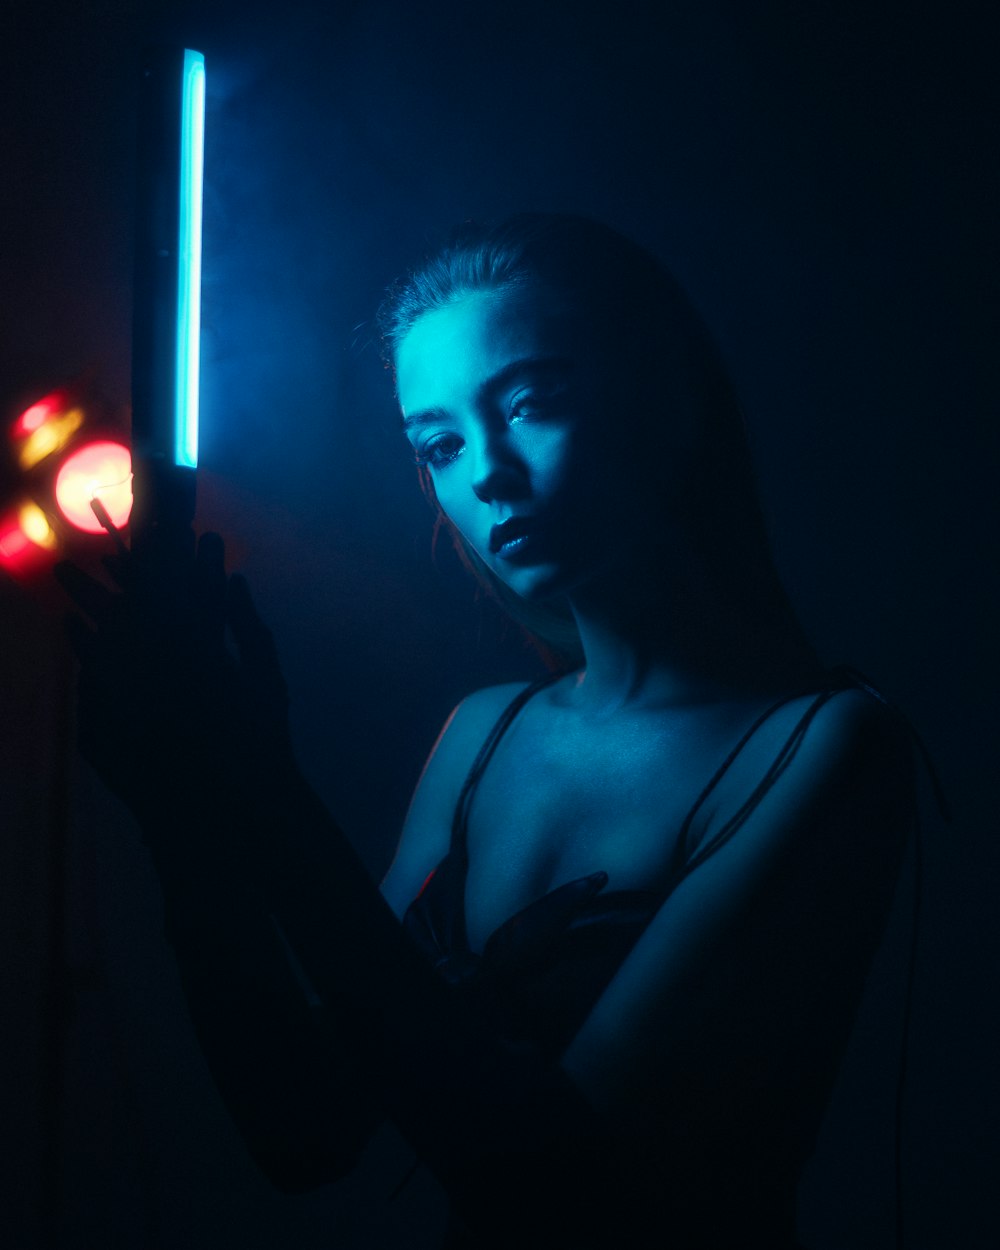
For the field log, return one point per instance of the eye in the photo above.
(438, 452)
(522, 406)
(533, 402)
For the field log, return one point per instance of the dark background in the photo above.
(822, 178)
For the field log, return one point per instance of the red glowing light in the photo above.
(27, 541)
(99, 470)
(34, 417)
(13, 541)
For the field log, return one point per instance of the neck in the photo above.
(689, 641)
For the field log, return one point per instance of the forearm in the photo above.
(259, 884)
(503, 1130)
(287, 1071)
(292, 1072)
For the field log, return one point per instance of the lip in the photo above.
(510, 537)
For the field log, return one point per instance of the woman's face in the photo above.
(506, 400)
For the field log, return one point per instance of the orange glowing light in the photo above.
(35, 526)
(99, 470)
(27, 540)
(49, 434)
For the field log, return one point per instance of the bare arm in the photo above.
(740, 991)
(732, 1012)
(717, 1043)
(259, 870)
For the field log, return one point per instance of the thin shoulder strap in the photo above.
(460, 820)
(685, 859)
(842, 677)
(457, 859)
(859, 679)
(778, 766)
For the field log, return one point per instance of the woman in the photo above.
(633, 905)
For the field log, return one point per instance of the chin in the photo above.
(542, 584)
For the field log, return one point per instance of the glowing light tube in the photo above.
(189, 259)
(166, 308)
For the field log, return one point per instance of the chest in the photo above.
(563, 797)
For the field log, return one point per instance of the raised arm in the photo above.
(316, 1014)
(195, 741)
(702, 1071)
(275, 920)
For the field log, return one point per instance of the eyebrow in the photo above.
(500, 379)
(426, 417)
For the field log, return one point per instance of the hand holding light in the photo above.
(187, 730)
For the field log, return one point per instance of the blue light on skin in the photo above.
(500, 392)
(189, 259)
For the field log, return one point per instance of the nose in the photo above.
(498, 473)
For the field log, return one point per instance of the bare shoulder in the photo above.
(427, 830)
(846, 762)
(459, 741)
(854, 732)
(771, 934)
(823, 736)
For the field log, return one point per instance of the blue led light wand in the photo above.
(166, 311)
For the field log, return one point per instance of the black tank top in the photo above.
(544, 968)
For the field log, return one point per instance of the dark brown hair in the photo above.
(640, 311)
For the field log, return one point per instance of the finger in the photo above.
(89, 595)
(210, 579)
(209, 585)
(212, 552)
(254, 640)
(241, 612)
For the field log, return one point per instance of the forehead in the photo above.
(455, 348)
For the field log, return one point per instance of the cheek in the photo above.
(553, 457)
